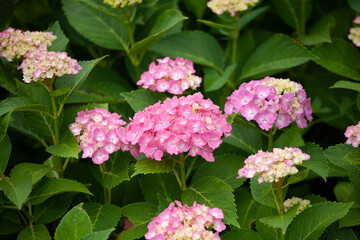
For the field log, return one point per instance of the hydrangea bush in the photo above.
(179, 119)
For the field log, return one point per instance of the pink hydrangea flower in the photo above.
(357, 20)
(178, 125)
(353, 135)
(354, 34)
(173, 76)
(99, 133)
(231, 6)
(16, 43)
(271, 101)
(273, 165)
(39, 65)
(186, 223)
(290, 202)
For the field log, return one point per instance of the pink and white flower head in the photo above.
(354, 34)
(186, 223)
(231, 6)
(353, 135)
(173, 76)
(41, 64)
(289, 203)
(16, 43)
(99, 133)
(176, 126)
(121, 3)
(271, 100)
(273, 165)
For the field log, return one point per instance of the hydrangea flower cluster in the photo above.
(178, 125)
(42, 64)
(353, 135)
(99, 133)
(16, 43)
(271, 100)
(173, 76)
(273, 165)
(231, 6)
(121, 3)
(186, 223)
(354, 34)
(288, 203)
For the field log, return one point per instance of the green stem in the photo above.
(270, 140)
(235, 39)
(279, 200)
(190, 168)
(107, 191)
(23, 218)
(2, 175)
(182, 172)
(65, 164)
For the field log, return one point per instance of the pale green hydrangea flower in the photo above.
(121, 3)
(288, 203)
(231, 6)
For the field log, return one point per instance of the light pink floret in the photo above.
(186, 223)
(353, 135)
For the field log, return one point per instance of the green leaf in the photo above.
(197, 7)
(34, 232)
(250, 15)
(139, 99)
(246, 207)
(275, 55)
(6, 81)
(268, 233)
(283, 221)
(242, 234)
(340, 57)
(351, 219)
(20, 104)
(298, 177)
(217, 83)
(117, 169)
(244, 138)
(52, 186)
(317, 162)
(74, 81)
(294, 12)
(225, 167)
(319, 32)
(164, 22)
(223, 27)
(9, 222)
(68, 148)
(263, 193)
(101, 235)
(18, 187)
(134, 233)
(146, 166)
(193, 46)
(139, 213)
(335, 154)
(214, 193)
(354, 4)
(103, 217)
(353, 158)
(334, 233)
(4, 123)
(310, 223)
(59, 92)
(344, 192)
(60, 43)
(37, 171)
(53, 208)
(290, 138)
(164, 185)
(96, 26)
(347, 85)
(5, 150)
(74, 225)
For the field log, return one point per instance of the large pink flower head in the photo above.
(173, 76)
(16, 43)
(273, 165)
(39, 65)
(178, 125)
(99, 133)
(231, 6)
(353, 135)
(271, 100)
(354, 34)
(186, 223)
